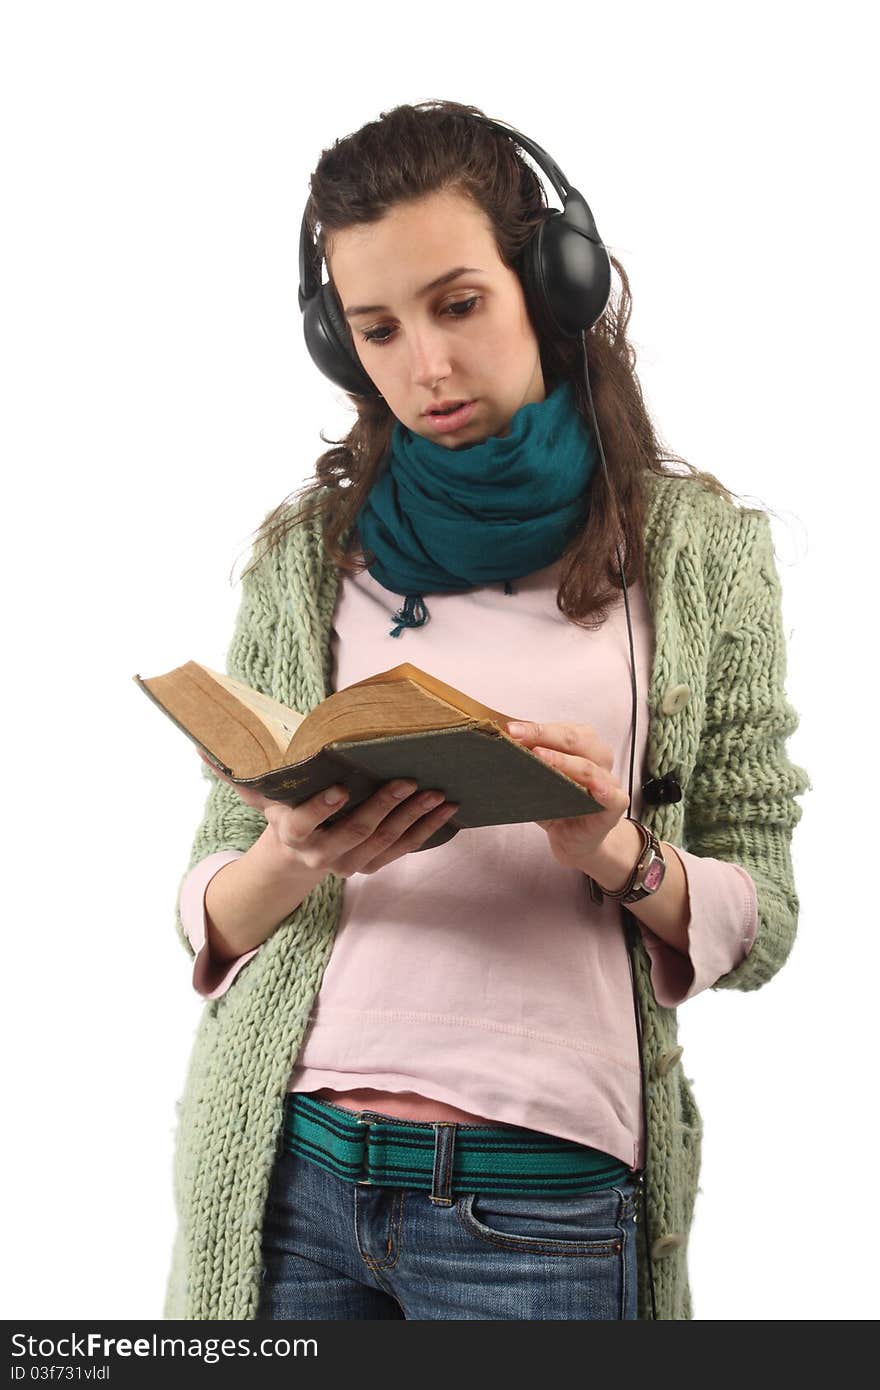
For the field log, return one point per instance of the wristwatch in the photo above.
(646, 877)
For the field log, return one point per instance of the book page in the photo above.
(281, 723)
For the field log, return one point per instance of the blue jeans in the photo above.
(334, 1250)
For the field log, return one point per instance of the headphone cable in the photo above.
(630, 930)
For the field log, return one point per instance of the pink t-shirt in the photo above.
(480, 974)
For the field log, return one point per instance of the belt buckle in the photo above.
(362, 1120)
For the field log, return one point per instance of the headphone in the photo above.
(566, 277)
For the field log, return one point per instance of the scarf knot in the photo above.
(444, 520)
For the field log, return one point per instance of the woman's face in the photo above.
(468, 339)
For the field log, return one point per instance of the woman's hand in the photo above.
(393, 821)
(579, 752)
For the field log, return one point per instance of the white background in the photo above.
(159, 400)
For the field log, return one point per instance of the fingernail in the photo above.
(402, 789)
(516, 728)
(334, 796)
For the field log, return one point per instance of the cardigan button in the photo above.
(675, 699)
(665, 1244)
(667, 1060)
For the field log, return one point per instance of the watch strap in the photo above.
(649, 858)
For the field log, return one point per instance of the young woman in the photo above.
(431, 1083)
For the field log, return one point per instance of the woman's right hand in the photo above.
(381, 829)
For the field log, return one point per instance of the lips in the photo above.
(455, 420)
(447, 407)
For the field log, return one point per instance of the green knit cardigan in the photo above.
(718, 718)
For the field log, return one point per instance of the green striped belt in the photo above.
(441, 1157)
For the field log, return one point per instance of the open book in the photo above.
(398, 723)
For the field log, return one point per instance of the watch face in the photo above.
(654, 876)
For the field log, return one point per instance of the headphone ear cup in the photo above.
(326, 334)
(568, 277)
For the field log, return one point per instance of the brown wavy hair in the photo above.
(415, 150)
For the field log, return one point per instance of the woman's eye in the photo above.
(466, 304)
(459, 310)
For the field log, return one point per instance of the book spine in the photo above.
(299, 782)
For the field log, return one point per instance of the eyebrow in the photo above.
(426, 289)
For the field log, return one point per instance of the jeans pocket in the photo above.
(585, 1223)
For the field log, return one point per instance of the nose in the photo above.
(429, 356)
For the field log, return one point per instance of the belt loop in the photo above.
(365, 1156)
(444, 1150)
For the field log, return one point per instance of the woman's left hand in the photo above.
(579, 752)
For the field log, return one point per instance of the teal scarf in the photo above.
(443, 520)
